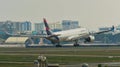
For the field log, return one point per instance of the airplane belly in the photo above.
(63, 38)
(73, 37)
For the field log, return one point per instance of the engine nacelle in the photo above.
(90, 39)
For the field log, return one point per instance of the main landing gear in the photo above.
(76, 43)
(58, 45)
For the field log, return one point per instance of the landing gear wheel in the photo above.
(58, 45)
(75, 45)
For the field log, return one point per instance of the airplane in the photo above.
(70, 35)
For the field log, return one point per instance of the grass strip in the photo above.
(58, 59)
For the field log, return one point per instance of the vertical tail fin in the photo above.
(47, 27)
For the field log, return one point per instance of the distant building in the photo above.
(19, 27)
(26, 26)
(6, 26)
(56, 26)
(15, 27)
(69, 24)
(39, 27)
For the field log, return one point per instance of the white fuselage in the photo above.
(73, 34)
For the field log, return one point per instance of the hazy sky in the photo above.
(90, 13)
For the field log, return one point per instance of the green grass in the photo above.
(74, 60)
(17, 58)
(78, 51)
(16, 65)
(28, 55)
(57, 59)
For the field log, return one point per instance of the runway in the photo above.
(63, 45)
(71, 45)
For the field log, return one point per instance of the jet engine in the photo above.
(91, 38)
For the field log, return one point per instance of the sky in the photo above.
(91, 14)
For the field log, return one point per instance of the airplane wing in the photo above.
(111, 29)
